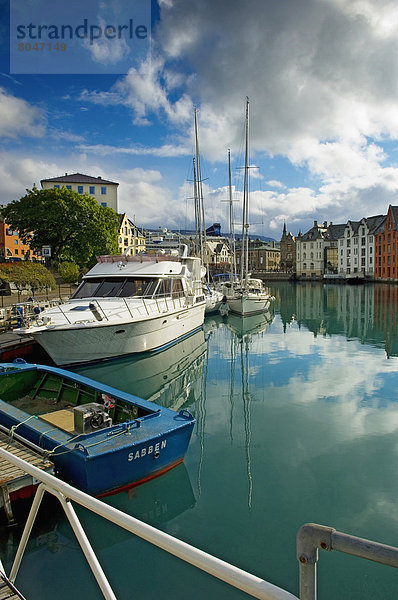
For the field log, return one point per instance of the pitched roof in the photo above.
(78, 178)
(373, 223)
(335, 232)
(394, 212)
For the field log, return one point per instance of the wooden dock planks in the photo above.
(7, 594)
(13, 479)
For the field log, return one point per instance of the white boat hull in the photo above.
(249, 304)
(88, 342)
(214, 301)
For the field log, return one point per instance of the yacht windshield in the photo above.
(110, 287)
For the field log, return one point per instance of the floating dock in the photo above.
(15, 483)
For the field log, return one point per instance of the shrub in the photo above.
(69, 271)
(26, 274)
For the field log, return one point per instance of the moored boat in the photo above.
(124, 305)
(100, 439)
(249, 296)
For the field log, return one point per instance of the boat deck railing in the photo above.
(151, 305)
(310, 538)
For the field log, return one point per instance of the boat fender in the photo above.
(95, 311)
(19, 361)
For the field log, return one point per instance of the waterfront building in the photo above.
(218, 254)
(131, 240)
(104, 191)
(386, 246)
(287, 251)
(11, 245)
(262, 256)
(317, 251)
(357, 248)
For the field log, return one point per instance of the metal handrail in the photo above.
(311, 537)
(252, 585)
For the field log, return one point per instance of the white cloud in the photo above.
(18, 118)
(166, 150)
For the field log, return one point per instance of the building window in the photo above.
(15, 241)
(56, 186)
(103, 191)
(68, 187)
(9, 232)
(79, 189)
(16, 251)
(92, 189)
(104, 204)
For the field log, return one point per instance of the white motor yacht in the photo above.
(124, 305)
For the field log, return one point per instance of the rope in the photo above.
(53, 451)
(14, 427)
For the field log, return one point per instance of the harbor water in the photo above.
(296, 421)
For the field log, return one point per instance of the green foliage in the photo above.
(69, 272)
(75, 226)
(26, 274)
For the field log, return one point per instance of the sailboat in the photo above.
(248, 296)
(213, 297)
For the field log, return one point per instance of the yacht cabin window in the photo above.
(118, 287)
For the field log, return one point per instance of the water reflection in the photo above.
(171, 378)
(291, 410)
(364, 312)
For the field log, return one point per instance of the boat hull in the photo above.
(83, 343)
(99, 461)
(248, 304)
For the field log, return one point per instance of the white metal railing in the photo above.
(312, 537)
(151, 305)
(252, 585)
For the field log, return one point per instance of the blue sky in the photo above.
(322, 78)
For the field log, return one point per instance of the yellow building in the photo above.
(131, 240)
(104, 191)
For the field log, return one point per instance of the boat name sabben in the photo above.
(147, 450)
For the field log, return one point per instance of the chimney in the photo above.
(315, 223)
(325, 224)
(99, 177)
(66, 174)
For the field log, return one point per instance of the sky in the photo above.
(321, 77)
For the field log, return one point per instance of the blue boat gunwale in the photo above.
(98, 386)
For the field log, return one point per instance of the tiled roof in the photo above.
(335, 232)
(313, 234)
(375, 222)
(78, 178)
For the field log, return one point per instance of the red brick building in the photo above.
(386, 246)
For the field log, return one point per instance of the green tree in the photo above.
(69, 271)
(75, 226)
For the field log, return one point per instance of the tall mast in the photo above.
(244, 259)
(196, 205)
(202, 229)
(231, 218)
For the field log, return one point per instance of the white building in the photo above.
(104, 191)
(356, 247)
(316, 250)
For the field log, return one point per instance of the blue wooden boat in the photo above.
(100, 439)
